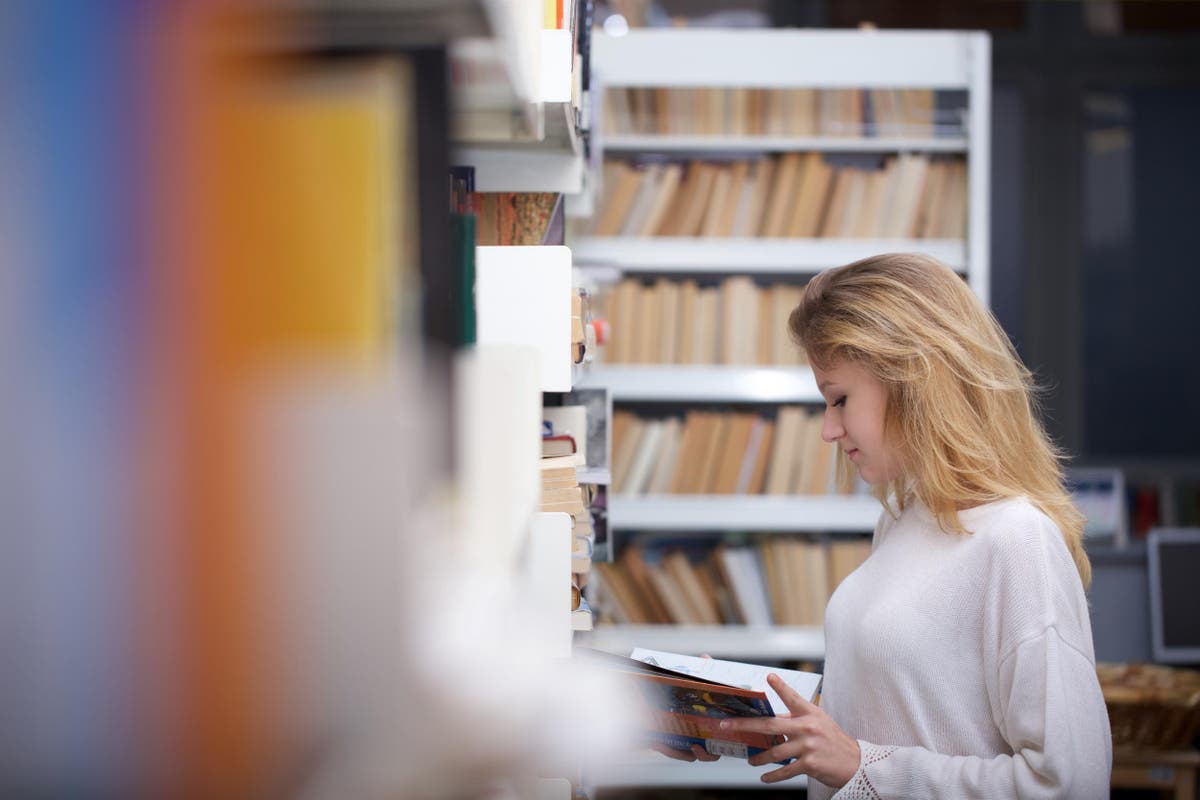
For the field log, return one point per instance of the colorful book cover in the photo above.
(687, 697)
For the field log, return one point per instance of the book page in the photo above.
(735, 673)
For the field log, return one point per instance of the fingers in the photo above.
(794, 700)
(771, 725)
(783, 773)
(780, 752)
(696, 753)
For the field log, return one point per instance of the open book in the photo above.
(687, 697)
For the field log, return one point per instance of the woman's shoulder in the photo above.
(1013, 528)
(1032, 579)
(1005, 515)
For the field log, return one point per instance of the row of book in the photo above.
(783, 580)
(681, 322)
(777, 112)
(793, 195)
(733, 452)
(562, 493)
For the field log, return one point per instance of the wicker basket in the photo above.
(1151, 706)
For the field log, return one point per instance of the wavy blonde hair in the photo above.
(961, 407)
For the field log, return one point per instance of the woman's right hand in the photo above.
(697, 753)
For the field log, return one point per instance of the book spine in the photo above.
(463, 234)
(720, 747)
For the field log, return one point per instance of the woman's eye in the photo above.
(841, 401)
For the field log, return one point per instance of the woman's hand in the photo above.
(820, 748)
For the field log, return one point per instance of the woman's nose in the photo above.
(831, 427)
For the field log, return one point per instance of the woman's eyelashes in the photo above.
(841, 401)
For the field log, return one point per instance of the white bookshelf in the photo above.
(766, 59)
(755, 513)
(658, 254)
(742, 145)
(519, 138)
(825, 59)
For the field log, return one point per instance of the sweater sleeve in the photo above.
(1050, 711)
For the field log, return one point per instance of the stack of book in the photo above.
(794, 195)
(683, 322)
(783, 580)
(564, 451)
(776, 112)
(708, 452)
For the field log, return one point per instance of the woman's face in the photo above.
(855, 402)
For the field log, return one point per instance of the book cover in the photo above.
(687, 697)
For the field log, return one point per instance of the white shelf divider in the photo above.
(505, 168)
(523, 297)
(766, 513)
(680, 383)
(549, 570)
(655, 770)
(740, 642)
(775, 58)
(776, 144)
(785, 256)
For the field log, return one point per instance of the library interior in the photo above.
(427, 399)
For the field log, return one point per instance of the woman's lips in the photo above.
(851, 453)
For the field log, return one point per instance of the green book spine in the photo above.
(462, 227)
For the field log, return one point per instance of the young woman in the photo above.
(959, 657)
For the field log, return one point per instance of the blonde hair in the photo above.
(961, 406)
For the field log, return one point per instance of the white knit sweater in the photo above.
(964, 664)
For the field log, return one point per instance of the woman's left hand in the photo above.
(820, 748)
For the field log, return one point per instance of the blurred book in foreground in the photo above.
(685, 698)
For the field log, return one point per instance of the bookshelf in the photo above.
(379, 239)
(798, 59)
(522, 137)
(528, 138)
(676, 67)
